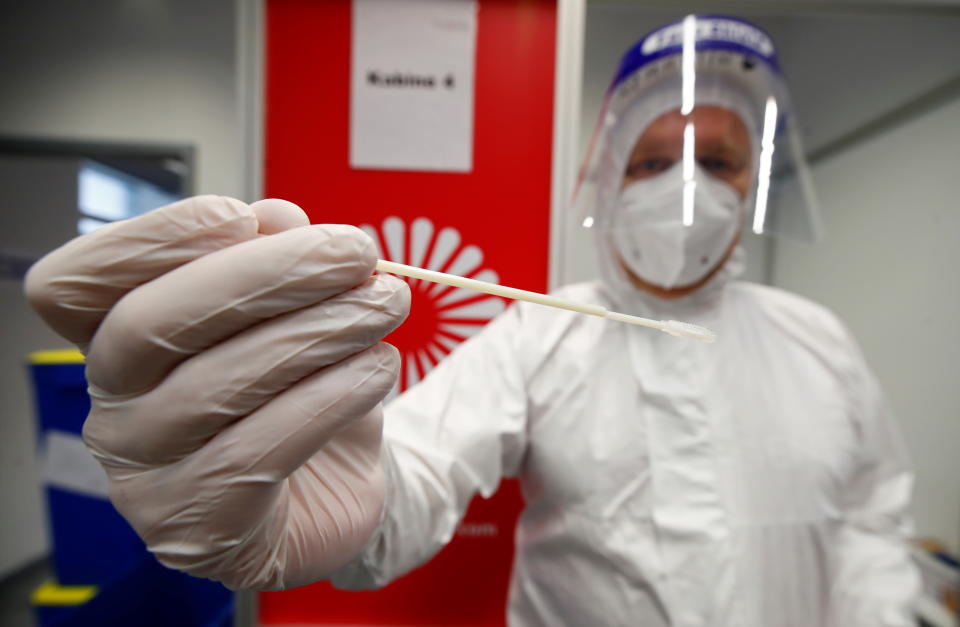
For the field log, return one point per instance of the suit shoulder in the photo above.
(793, 311)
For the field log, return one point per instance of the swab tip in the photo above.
(685, 329)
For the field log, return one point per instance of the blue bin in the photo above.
(90, 540)
(92, 544)
(146, 595)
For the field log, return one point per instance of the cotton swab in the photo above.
(673, 327)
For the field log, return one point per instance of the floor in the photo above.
(15, 589)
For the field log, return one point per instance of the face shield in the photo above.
(697, 124)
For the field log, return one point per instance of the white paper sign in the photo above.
(411, 91)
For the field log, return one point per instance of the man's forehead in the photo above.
(710, 122)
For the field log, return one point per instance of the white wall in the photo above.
(889, 269)
(151, 70)
(99, 70)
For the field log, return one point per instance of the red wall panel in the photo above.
(501, 207)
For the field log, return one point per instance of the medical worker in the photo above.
(236, 373)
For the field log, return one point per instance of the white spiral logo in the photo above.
(440, 316)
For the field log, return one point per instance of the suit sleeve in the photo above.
(877, 582)
(450, 437)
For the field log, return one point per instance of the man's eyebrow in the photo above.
(725, 144)
(656, 144)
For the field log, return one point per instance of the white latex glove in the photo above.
(235, 381)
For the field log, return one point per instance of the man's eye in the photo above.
(646, 167)
(715, 165)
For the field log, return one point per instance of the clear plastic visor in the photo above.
(724, 116)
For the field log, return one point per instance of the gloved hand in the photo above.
(235, 380)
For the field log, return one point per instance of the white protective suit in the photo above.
(755, 482)
(758, 481)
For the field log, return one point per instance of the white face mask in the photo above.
(650, 234)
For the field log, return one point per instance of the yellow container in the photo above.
(58, 356)
(53, 594)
